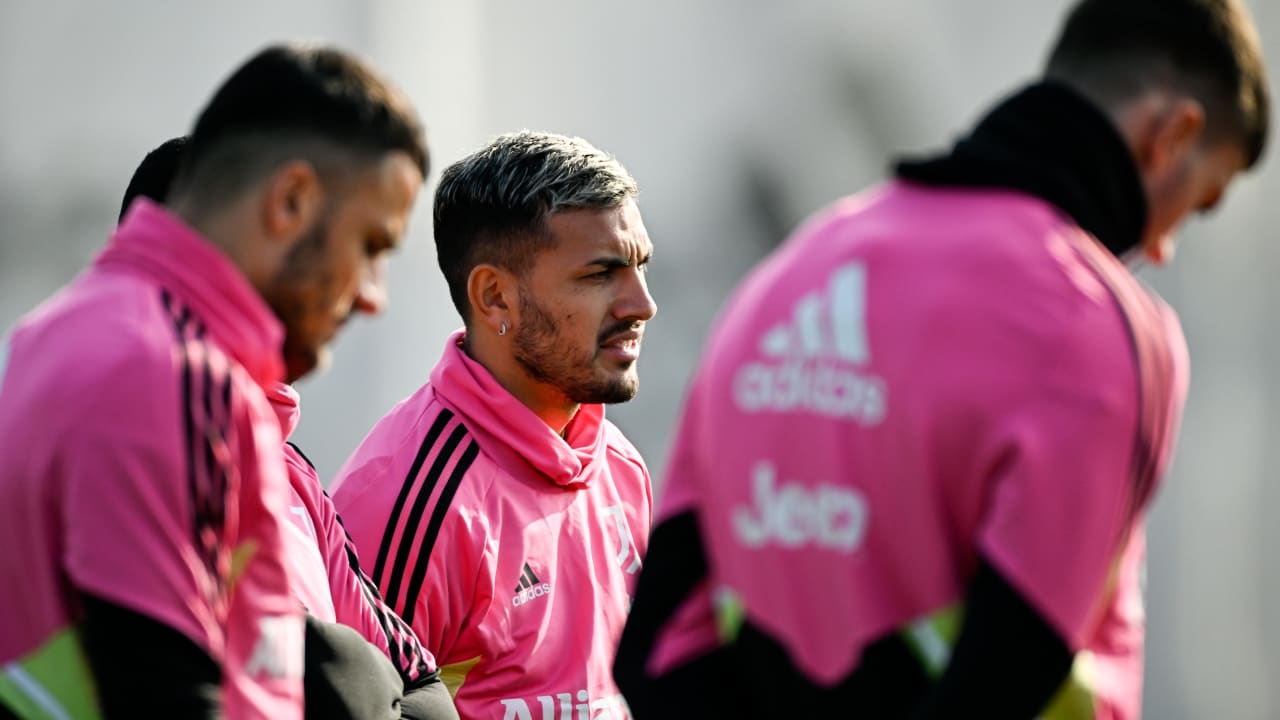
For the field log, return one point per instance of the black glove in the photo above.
(346, 677)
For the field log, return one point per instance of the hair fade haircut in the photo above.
(492, 206)
(1115, 49)
(288, 102)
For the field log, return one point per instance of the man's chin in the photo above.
(300, 363)
(621, 389)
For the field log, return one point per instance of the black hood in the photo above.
(1051, 142)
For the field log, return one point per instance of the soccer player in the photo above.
(914, 461)
(504, 514)
(352, 636)
(142, 487)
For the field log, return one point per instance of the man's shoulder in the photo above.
(620, 448)
(95, 308)
(393, 434)
(302, 473)
(104, 338)
(420, 442)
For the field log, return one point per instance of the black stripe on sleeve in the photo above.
(204, 497)
(219, 464)
(406, 652)
(410, 530)
(410, 480)
(179, 319)
(301, 454)
(433, 529)
(203, 433)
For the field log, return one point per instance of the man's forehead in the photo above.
(617, 231)
(390, 187)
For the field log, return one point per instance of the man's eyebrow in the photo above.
(611, 261)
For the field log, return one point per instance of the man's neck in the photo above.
(548, 403)
(228, 230)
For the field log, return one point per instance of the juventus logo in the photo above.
(625, 547)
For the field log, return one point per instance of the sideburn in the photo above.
(298, 291)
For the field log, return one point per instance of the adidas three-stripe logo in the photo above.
(816, 361)
(527, 579)
(426, 494)
(529, 588)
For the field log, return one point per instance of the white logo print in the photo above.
(278, 652)
(626, 549)
(807, 358)
(303, 522)
(794, 516)
(529, 588)
(611, 708)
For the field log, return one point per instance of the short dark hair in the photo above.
(1115, 49)
(492, 206)
(154, 176)
(315, 103)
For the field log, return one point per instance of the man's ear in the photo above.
(1167, 132)
(493, 294)
(293, 199)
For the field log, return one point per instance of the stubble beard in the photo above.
(573, 371)
(291, 296)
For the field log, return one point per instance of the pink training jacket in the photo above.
(511, 551)
(329, 581)
(915, 379)
(141, 463)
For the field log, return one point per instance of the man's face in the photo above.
(338, 268)
(1196, 183)
(584, 303)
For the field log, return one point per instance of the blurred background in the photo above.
(738, 117)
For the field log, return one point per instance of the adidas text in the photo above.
(804, 385)
(806, 360)
(532, 593)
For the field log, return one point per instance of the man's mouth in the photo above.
(623, 346)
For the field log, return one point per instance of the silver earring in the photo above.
(502, 329)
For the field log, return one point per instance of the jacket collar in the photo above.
(502, 422)
(1050, 142)
(156, 244)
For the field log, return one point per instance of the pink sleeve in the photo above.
(128, 509)
(458, 589)
(679, 491)
(642, 535)
(1061, 486)
(356, 600)
(1117, 648)
(453, 586)
(168, 512)
(262, 677)
(692, 630)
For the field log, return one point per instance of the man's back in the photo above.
(900, 390)
(139, 459)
